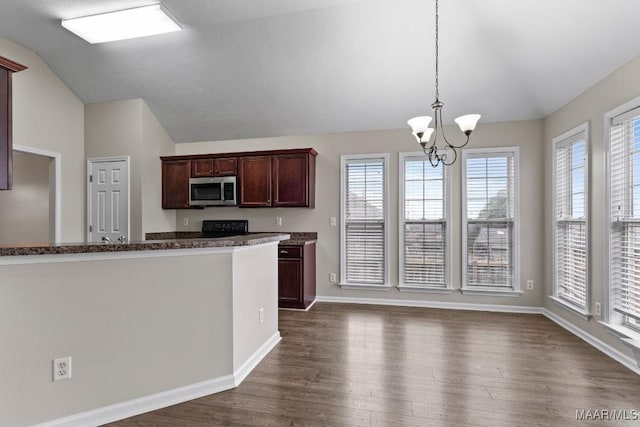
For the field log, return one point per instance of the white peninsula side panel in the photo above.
(138, 325)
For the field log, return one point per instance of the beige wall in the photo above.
(128, 128)
(24, 211)
(48, 116)
(156, 142)
(527, 135)
(614, 90)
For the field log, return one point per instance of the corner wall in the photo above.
(525, 134)
(619, 87)
(48, 116)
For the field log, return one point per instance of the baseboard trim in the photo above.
(163, 399)
(616, 355)
(245, 369)
(434, 304)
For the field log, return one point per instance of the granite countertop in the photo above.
(149, 245)
(297, 238)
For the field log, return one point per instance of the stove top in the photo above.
(225, 228)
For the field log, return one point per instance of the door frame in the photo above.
(92, 160)
(57, 185)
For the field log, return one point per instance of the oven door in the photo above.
(215, 191)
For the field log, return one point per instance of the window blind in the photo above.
(570, 238)
(490, 211)
(423, 222)
(364, 221)
(624, 170)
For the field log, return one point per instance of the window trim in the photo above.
(515, 289)
(343, 182)
(403, 156)
(585, 313)
(610, 321)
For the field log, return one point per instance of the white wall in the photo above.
(527, 135)
(616, 89)
(25, 210)
(48, 116)
(128, 128)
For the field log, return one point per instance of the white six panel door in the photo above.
(108, 202)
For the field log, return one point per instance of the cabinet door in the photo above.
(227, 166)
(254, 176)
(201, 167)
(175, 184)
(6, 149)
(291, 180)
(289, 282)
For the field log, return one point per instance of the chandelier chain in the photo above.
(437, 59)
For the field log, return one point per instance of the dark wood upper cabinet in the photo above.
(7, 68)
(175, 184)
(254, 180)
(201, 167)
(294, 180)
(227, 166)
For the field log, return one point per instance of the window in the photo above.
(624, 217)
(570, 216)
(363, 221)
(424, 233)
(490, 221)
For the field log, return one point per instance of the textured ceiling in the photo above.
(255, 68)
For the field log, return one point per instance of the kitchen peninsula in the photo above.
(147, 324)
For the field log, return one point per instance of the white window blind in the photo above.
(624, 179)
(570, 237)
(364, 221)
(423, 218)
(489, 219)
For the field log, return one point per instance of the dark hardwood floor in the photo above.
(358, 365)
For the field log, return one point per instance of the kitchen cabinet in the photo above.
(254, 181)
(296, 275)
(7, 68)
(213, 167)
(175, 184)
(283, 179)
(294, 180)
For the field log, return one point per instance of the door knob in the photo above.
(106, 239)
(122, 239)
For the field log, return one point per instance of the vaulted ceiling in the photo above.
(255, 68)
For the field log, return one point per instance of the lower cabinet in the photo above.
(296, 275)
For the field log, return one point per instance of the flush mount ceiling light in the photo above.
(447, 154)
(123, 24)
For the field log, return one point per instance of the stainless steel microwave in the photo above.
(213, 191)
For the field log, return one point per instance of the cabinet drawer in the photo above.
(289, 252)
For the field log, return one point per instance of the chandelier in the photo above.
(447, 154)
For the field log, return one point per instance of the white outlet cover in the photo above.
(332, 221)
(61, 368)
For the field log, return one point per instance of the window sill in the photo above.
(629, 338)
(566, 305)
(364, 287)
(491, 292)
(425, 289)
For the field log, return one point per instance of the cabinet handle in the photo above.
(284, 252)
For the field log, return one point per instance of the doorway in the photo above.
(31, 212)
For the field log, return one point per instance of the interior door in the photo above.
(108, 204)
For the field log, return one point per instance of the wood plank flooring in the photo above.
(359, 365)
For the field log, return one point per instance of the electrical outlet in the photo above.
(598, 309)
(332, 221)
(185, 221)
(332, 278)
(278, 220)
(529, 285)
(62, 368)
(261, 315)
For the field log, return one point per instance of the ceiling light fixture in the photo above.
(420, 125)
(124, 24)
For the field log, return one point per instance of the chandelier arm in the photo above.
(439, 119)
(455, 157)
